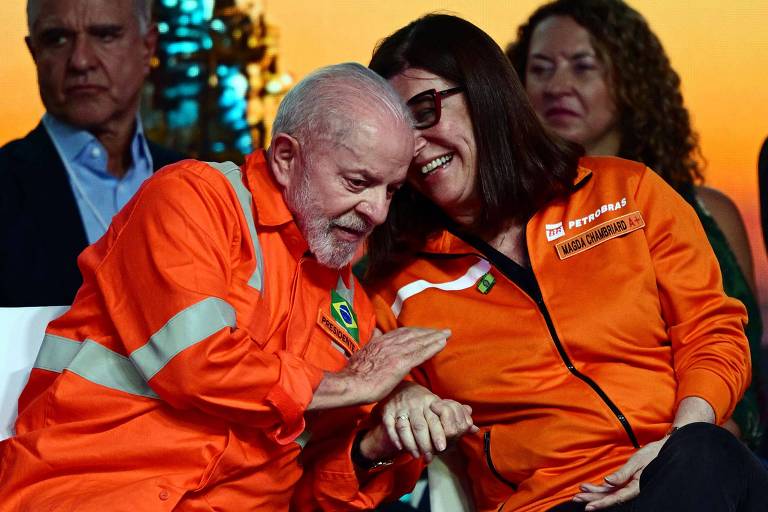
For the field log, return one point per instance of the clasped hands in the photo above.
(418, 421)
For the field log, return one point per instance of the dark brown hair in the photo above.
(654, 124)
(520, 165)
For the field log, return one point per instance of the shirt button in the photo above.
(163, 495)
(95, 152)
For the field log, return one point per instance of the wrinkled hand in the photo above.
(383, 363)
(622, 485)
(415, 419)
(374, 370)
(419, 421)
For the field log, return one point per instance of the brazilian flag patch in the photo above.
(485, 283)
(345, 316)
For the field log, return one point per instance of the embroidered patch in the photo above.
(337, 333)
(485, 283)
(599, 234)
(345, 316)
(554, 231)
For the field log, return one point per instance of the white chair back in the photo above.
(21, 333)
(449, 489)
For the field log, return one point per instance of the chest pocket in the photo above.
(322, 325)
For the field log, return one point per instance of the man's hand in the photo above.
(374, 370)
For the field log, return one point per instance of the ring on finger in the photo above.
(403, 417)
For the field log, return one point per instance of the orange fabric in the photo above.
(221, 435)
(641, 314)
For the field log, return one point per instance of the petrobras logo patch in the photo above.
(554, 231)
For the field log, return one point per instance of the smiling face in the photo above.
(445, 166)
(339, 193)
(569, 86)
(91, 60)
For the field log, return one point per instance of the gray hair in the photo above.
(142, 9)
(322, 105)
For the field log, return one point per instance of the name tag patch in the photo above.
(340, 337)
(599, 234)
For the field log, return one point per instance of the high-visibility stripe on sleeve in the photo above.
(188, 327)
(100, 365)
(93, 362)
(474, 273)
(56, 353)
(232, 172)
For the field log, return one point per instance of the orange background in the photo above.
(720, 50)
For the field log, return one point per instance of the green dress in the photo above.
(735, 284)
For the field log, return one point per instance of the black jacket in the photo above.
(41, 232)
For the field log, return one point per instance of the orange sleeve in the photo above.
(705, 327)
(166, 285)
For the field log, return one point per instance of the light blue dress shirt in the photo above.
(99, 194)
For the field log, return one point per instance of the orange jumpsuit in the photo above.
(573, 366)
(180, 377)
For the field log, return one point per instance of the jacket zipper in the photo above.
(489, 461)
(576, 373)
(534, 293)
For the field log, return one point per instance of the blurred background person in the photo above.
(62, 183)
(597, 75)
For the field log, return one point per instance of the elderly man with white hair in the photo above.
(219, 328)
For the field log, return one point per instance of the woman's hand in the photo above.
(624, 484)
(621, 485)
(417, 420)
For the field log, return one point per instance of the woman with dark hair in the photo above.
(597, 75)
(590, 334)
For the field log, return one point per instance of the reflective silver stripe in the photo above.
(100, 365)
(188, 327)
(94, 363)
(233, 174)
(474, 273)
(303, 439)
(347, 294)
(56, 353)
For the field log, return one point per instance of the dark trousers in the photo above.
(701, 468)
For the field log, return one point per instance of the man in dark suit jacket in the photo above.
(92, 57)
(41, 232)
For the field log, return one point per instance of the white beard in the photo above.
(318, 230)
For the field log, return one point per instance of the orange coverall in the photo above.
(180, 376)
(569, 369)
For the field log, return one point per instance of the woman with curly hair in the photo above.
(597, 75)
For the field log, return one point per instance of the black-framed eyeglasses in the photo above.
(426, 106)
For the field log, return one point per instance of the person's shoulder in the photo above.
(611, 164)
(188, 178)
(728, 218)
(162, 155)
(723, 210)
(187, 170)
(714, 199)
(27, 160)
(614, 172)
(23, 147)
